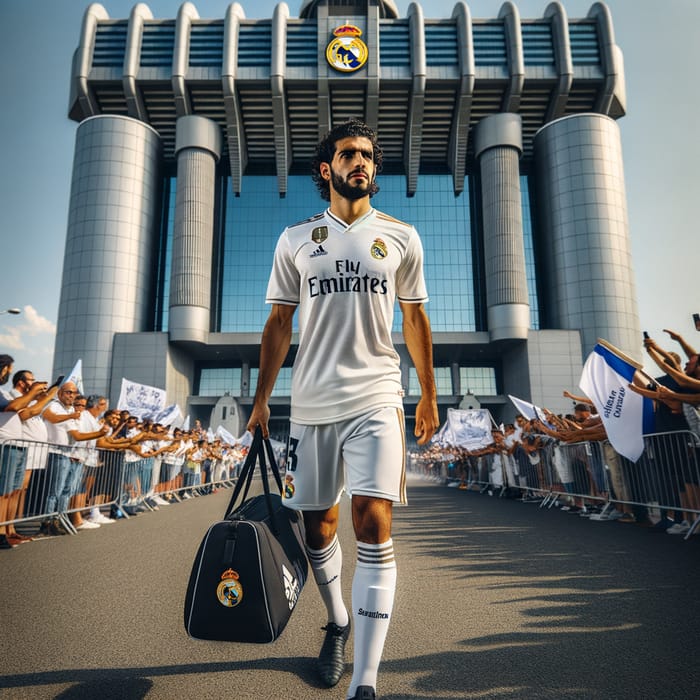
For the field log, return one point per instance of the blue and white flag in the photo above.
(626, 415)
(76, 376)
(140, 399)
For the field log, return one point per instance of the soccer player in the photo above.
(344, 269)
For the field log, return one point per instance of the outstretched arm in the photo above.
(276, 339)
(419, 341)
(577, 399)
(687, 348)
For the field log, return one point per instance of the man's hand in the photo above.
(427, 420)
(259, 416)
(674, 336)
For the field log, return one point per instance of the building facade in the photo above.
(193, 144)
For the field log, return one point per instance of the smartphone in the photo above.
(646, 335)
(58, 382)
(696, 321)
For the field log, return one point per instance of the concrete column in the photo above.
(109, 262)
(583, 232)
(498, 147)
(198, 147)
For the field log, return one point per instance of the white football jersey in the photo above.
(345, 281)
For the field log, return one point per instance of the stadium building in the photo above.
(192, 153)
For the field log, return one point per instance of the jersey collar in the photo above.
(346, 227)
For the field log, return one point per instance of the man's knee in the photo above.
(320, 527)
(371, 519)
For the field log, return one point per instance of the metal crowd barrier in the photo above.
(665, 478)
(59, 481)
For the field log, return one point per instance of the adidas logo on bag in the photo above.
(291, 587)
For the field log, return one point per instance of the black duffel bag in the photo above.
(251, 566)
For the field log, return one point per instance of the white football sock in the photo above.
(373, 588)
(327, 564)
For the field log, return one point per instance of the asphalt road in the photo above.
(496, 599)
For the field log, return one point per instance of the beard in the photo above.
(347, 190)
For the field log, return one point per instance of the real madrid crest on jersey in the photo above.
(229, 591)
(378, 249)
(319, 234)
(347, 52)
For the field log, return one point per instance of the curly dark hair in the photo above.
(326, 150)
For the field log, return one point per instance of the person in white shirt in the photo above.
(65, 471)
(34, 434)
(344, 269)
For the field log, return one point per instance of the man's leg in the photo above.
(326, 559)
(373, 588)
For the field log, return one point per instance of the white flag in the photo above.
(140, 399)
(626, 415)
(469, 429)
(170, 415)
(526, 409)
(225, 435)
(76, 376)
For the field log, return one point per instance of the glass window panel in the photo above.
(443, 381)
(478, 380)
(530, 271)
(217, 381)
(283, 385)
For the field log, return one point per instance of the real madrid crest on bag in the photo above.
(229, 591)
(250, 568)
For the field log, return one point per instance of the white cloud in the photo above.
(29, 338)
(35, 323)
(11, 340)
(15, 333)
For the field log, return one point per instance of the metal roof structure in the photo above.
(424, 86)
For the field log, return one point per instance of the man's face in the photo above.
(99, 408)
(67, 393)
(25, 384)
(692, 367)
(351, 172)
(581, 416)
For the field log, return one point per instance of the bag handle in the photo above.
(257, 451)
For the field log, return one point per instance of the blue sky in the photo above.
(661, 47)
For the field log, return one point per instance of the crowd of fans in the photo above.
(571, 455)
(82, 465)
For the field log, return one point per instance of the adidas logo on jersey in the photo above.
(318, 252)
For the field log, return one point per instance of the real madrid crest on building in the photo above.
(229, 591)
(347, 52)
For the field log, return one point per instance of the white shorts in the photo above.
(365, 455)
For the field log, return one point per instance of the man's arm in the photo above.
(419, 341)
(687, 348)
(668, 396)
(577, 399)
(683, 379)
(274, 346)
(92, 435)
